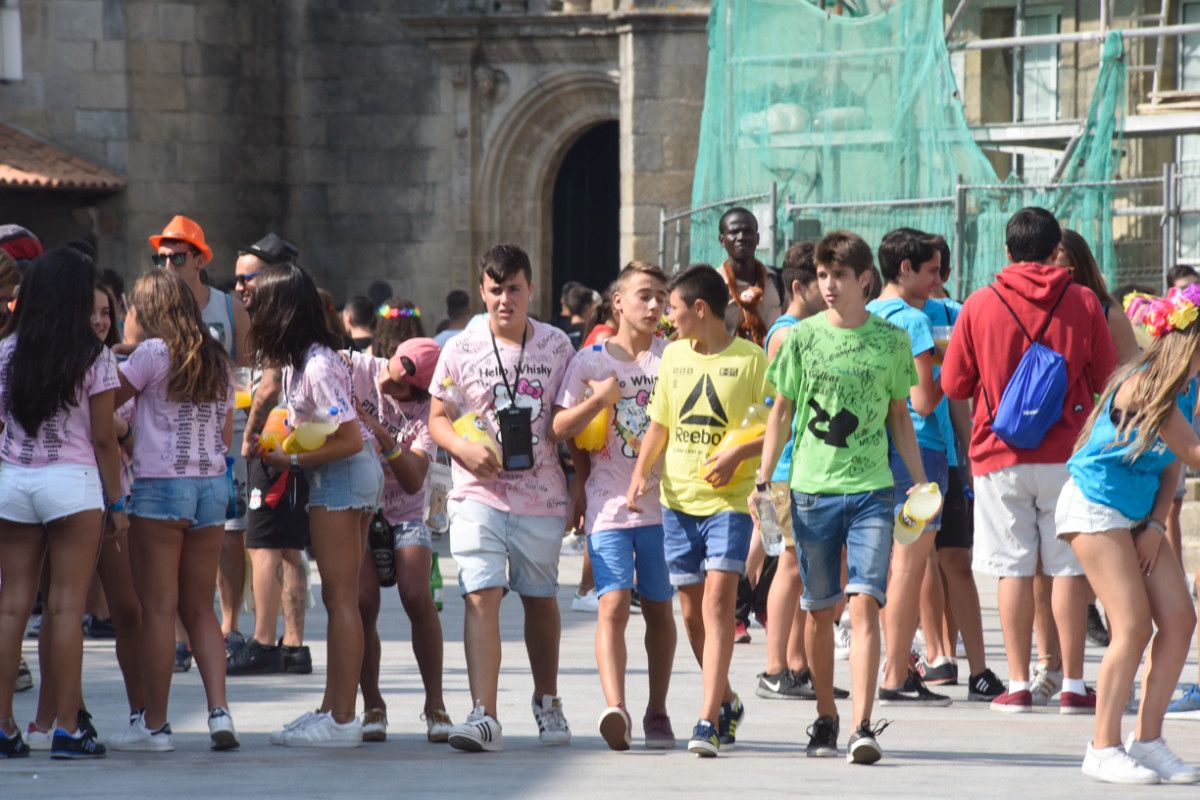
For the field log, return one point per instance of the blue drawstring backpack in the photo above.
(1033, 399)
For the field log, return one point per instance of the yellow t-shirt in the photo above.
(700, 399)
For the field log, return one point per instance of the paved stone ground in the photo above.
(964, 750)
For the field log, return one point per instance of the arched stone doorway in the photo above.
(514, 195)
(586, 242)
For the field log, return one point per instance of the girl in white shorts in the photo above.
(1112, 510)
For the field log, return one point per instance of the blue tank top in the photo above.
(783, 469)
(1105, 475)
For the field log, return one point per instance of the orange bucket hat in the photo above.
(182, 229)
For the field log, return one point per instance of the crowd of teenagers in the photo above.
(145, 453)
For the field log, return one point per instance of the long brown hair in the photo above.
(167, 310)
(399, 320)
(1084, 269)
(1162, 372)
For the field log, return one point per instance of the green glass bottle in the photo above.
(435, 581)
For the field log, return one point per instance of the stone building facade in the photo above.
(391, 140)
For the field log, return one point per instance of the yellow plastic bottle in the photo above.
(593, 437)
(467, 424)
(918, 509)
(241, 399)
(753, 425)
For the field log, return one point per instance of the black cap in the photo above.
(272, 249)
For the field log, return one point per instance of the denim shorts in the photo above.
(37, 495)
(351, 483)
(937, 470)
(695, 545)
(825, 523)
(485, 540)
(411, 533)
(200, 501)
(618, 554)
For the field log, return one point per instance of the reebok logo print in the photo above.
(716, 416)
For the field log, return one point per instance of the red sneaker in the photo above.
(1014, 702)
(741, 634)
(1072, 703)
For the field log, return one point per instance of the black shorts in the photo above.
(958, 515)
(284, 527)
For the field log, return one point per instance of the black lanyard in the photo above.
(512, 395)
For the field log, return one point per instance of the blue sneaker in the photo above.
(732, 715)
(13, 746)
(704, 742)
(1186, 707)
(80, 744)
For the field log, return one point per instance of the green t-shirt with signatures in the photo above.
(842, 381)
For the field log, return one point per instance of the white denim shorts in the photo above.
(37, 495)
(485, 541)
(1077, 514)
(1014, 522)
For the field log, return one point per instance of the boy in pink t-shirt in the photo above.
(506, 525)
(616, 378)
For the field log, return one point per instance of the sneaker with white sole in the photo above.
(616, 728)
(1045, 684)
(374, 725)
(841, 643)
(298, 722)
(138, 738)
(1113, 765)
(24, 678)
(1186, 707)
(1155, 755)
(221, 731)
(321, 730)
(36, 738)
(437, 726)
(552, 725)
(481, 733)
(863, 745)
(587, 603)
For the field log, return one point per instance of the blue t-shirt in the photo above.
(1106, 476)
(920, 331)
(783, 469)
(944, 311)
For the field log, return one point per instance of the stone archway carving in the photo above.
(514, 192)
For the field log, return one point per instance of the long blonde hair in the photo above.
(166, 309)
(1162, 371)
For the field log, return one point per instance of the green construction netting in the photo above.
(853, 110)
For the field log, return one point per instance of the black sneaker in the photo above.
(13, 746)
(81, 745)
(912, 693)
(944, 673)
(83, 722)
(862, 748)
(1097, 632)
(183, 657)
(804, 677)
(234, 641)
(255, 659)
(99, 628)
(732, 715)
(783, 685)
(24, 677)
(705, 741)
(296, 660)
(985, 687)
(822, 738)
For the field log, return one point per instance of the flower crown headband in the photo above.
(392, 312)
(1160, 315)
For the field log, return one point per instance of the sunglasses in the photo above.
(176, 259)
(244, 279)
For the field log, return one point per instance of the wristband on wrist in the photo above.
(1156, 525)
(294, 462)
(395, 453)
(116, 506)
(761, 485)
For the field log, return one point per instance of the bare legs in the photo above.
(339, 540)
(611, 655)
(708, 609)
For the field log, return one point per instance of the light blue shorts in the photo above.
(694, 545)
(822, 525)
(617, 555)
(411, 533)
(485, 541)
(200, 501)
(354, 482)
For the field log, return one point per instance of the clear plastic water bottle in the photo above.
(768, 523)
(920, 507)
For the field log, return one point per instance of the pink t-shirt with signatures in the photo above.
(408, 422)
(66, 436)
(173, 439)
(321, 383)
(612, 465)
(468, 359)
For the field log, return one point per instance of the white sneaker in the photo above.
(299, 722)
(1045, 684)
(481, 733)
(1155, 755)
(220, 730)
(552, 725)
(437, 726)
(38, 739)
(841, 643)
(140, 739)
(960, 649)
(587, 603)
(1113, 765)
(320, 730)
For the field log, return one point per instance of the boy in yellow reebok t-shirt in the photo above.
(706, 383)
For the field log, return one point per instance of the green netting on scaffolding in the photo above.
(844, 111)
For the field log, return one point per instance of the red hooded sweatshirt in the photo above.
(987, 345)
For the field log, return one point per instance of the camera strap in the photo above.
(512, 394)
